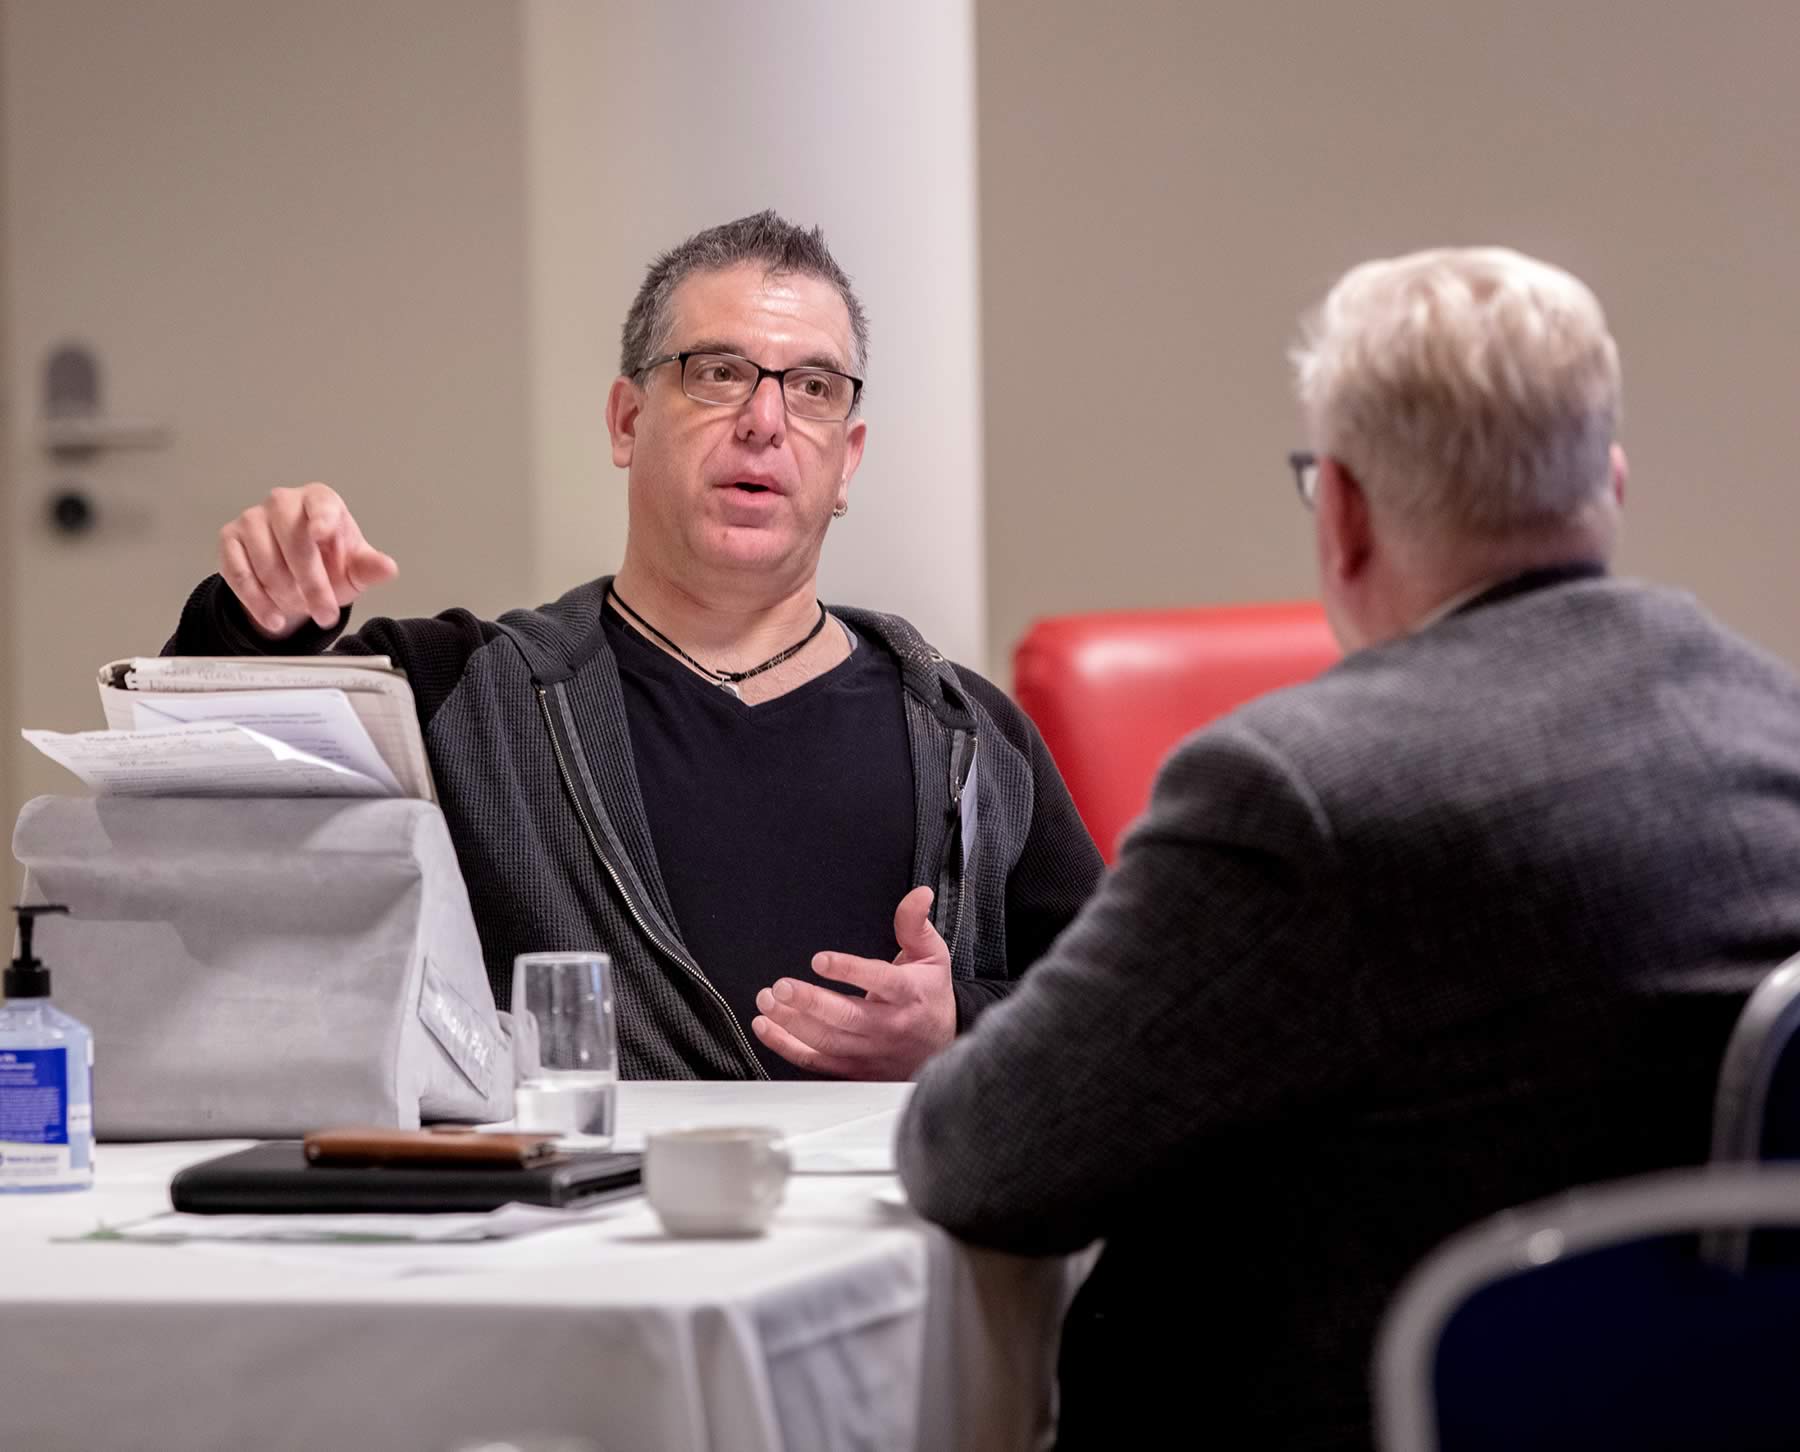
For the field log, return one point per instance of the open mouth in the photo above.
(750, 488)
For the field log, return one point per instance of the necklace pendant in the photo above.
(730, 689)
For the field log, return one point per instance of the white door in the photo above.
(292, 239)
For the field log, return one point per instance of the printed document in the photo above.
(206, 759)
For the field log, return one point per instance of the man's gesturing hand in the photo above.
(908, 1015)
(298, 553)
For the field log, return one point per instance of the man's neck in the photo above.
(1452, 592)
(1436, 580)
(729, 630)
(1512, 582)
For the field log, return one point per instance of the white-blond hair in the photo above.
(1467, 388)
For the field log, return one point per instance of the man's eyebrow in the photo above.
(714, 345)
(812, 360)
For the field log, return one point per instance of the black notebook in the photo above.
(275, 1179)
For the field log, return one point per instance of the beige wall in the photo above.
(295, 234)
(1165, 187)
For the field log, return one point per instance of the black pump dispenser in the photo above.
(26, 976)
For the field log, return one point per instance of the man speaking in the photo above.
(747, 799)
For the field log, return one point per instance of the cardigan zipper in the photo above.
(951, 886)
(680, 959)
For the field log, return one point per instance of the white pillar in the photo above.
(649, 122)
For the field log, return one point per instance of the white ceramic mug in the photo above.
(716, 1181)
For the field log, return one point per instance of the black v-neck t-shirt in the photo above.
(780, 830)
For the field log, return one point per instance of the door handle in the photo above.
(65, 438)
(75, 425)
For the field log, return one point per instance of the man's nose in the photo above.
(764, 414)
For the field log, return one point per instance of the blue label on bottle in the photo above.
(34, 1096)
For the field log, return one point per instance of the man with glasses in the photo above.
(1462, 923)
(745, 798)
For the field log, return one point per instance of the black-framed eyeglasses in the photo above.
(1305, 464)
(729, 381)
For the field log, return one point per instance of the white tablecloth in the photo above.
(850, 1325)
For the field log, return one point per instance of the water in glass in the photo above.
(566, 1104)
(565, 1047)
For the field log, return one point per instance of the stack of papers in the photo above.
(337, 726)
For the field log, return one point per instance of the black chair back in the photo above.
(1756, 1109)
(1596, 1321)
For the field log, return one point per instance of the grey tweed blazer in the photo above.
(1459, 924)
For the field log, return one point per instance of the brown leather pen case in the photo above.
(465, 1148)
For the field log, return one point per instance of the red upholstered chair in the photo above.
(1113, 692)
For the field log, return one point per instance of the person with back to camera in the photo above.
(1461, 923)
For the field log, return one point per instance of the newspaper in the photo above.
(250, 726)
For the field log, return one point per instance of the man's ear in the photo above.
(1621, 475)
(854, 439)
(624, 406)
(1346, 533)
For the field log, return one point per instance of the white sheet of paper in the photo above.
(208, 759)
(861, 1146)
(320, 723)
(506, 1240)
(847, 1160)
(506, 1223)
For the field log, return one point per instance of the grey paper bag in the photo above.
(261, 967)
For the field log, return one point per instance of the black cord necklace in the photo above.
(725, 680)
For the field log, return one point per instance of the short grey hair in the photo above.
(1471, 388)
(766, 238)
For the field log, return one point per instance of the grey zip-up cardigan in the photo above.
(524, 722)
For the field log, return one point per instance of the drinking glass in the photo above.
(565, 1049)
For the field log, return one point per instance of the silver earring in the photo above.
(840, 511)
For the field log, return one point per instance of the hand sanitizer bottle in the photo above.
(46, 1073)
